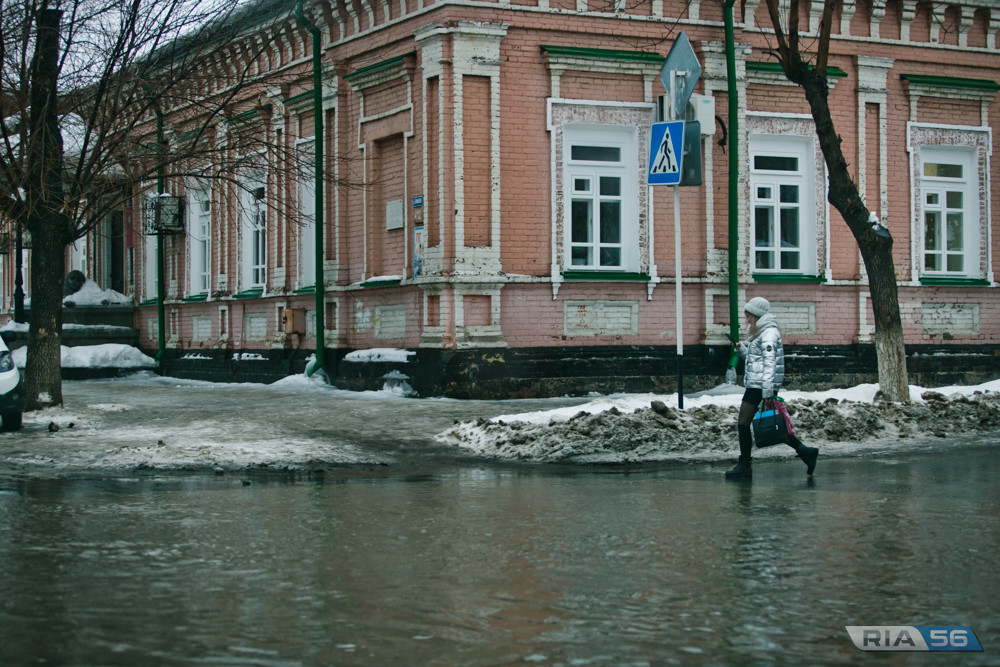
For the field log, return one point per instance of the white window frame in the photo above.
(78, 251)
(770, 181)
(200, 211)
(626, 171)
(306, 215)
(926, 139)
(937, 198)
(253, 223)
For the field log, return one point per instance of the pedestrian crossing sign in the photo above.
(666, 142)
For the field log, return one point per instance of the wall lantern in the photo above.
(163, 214)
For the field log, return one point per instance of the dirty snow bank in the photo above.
(638, 428)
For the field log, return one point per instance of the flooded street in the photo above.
(493, 565)
(411, 554)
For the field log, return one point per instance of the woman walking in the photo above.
(765, 371)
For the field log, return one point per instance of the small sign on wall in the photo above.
(394, 218)
(418, 209)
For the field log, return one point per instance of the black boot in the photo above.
(807, 454)
(742, 469)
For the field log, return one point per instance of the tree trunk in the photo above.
(46, 220)
(876, 251)
(43, 372)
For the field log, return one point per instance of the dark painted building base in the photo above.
(500, 373)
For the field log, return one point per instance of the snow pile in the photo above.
(384, 354)
(107, 355)
(317, 382)
(638, 428)
(91, 294)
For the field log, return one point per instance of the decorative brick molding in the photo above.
(949, 319)
(601, 318)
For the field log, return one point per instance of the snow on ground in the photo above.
(647, 427)
(301, 421)
(181, 425)
(106, 355)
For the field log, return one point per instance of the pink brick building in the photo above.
(487, 207)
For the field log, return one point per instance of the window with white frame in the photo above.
(949, 212)
(600, 178)
(782, 205)
(253, 202)
(306, 221)
(200, 235)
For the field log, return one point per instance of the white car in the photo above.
(11, 390)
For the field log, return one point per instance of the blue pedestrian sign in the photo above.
(666, 153)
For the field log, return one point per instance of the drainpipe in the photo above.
(318, 362)
(161, 334)
(734, 172)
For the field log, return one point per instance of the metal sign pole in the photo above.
(681, 61)
(677, 296)
(678, 288)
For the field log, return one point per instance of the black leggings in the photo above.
(748, 408)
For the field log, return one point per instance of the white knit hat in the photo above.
(758, 306)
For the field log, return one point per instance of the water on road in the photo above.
(457, 562)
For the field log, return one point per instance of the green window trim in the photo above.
(251, 293)
(301, 97)
(196, 297)
(382, 283)
(605, 275)
(954, 282)
(149, 302)
(385, 64)
(602, 54)
(775, 68)
(785, 278)
(244, 116)
(309, 289)
(951, 82)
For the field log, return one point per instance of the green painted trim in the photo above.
(244, 116)
(249, 293)
(385, 64)
(775, 68)
(381, 283)
(605, 275)
(311, 289)
(603, 54)
(786, 278)
(955, 282)
(196, 297)
(951, 82)
(301, 97)
(148, 302)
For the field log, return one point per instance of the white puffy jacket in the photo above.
(765, 357)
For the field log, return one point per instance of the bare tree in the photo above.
(809, 71)
(84, 83)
